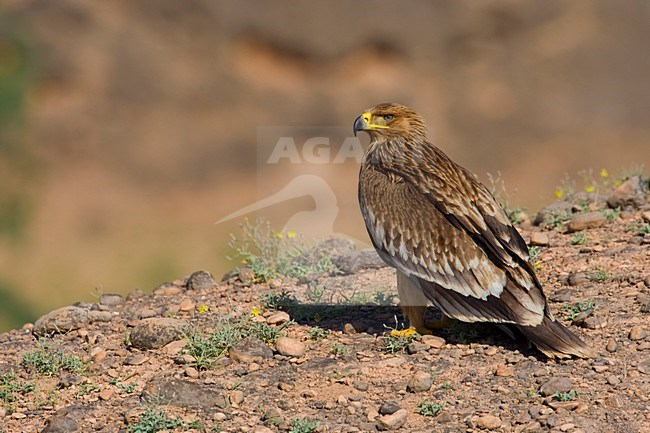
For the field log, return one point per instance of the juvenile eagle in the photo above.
(447, 236)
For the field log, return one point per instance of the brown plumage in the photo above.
(447, 236)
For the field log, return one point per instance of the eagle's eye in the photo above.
(388, 117)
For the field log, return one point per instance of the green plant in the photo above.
(85, 388)
(49, 360)
(11, 387)
(565, 395)
(278, 301)
(640, 230)
(270, 254)
(206, 349)
(303, 425)
(579, 238)
(426, 408)
(339, 350)
(447, 386)
(599, 275)
(531, 392)
(534, 252)
(128, 388)
(555, 218)
(613, 214)
(573, 310)
(317, 333)
(154, 420)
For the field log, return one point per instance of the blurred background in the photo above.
(127, 128)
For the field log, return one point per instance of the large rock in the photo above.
(61, 320)
(630, 194)
(183, 393)
(584, 221)
(200, 280)
(250, 350)
(156, 332)
(559, 207)
(352, 262)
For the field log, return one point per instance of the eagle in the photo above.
(449, 239)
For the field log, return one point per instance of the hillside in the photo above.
(317, 352)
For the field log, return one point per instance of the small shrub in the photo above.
(49, 360)
(303, 425)
(579, 238)
(11, 388)
(270, 254)
(573, 310)
(565, 395)
(426, 408)
(154, 420)
(317, 333)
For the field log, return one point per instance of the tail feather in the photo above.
(555, 340)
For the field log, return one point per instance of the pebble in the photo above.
(637, 333)
(250, 350)
(600, 368)
(111, 300)
(594, 322)
(434, 341)
(420, 382)
(191, 372)
(612, 379)
(489, 422)
(416, 346)
(200, 280)
(646, 281)
(106, 394)
(135, 359)
(491, 351)
(182, 393)
(539, 238)
(583, 221)
(555, 384)
(100, 316)
(186, 305)
(611, 345)
(278, 318)
(61, 320)
(349, 329)
(393, 421)
(643, 346)
(503, 371)
(236, 397)
(262, 429)
(630, 194)
(290, 347)
(156, 332)
(175, 347)
(566, 427)
(389, 408)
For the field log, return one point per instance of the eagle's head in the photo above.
(388, 120)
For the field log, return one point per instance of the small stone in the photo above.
(491, 351)
(489, 422)
(582, 406)
(61, 320)
(342, 400)
(557, 208)
(643, 346)
(594, 322)
(564, 405)
(372, 414)
(290, 347)
(644, 367)
(579, 278)
(97, 354)
(200, 280)
(250, 350)
(389, 407)
(135, 359)
(308, 393)
(503, 371)
(175, 347)
(612, 379)
(637, 333)
(416, 346)
(186, 305)
(106, 394)
(360, 385)
(584, 221)
(393, 421)
(555, 385)
(566, 427)
(111, 300)
(564, 295)
(167, 289)
(156, 332)
(600, 368)
(182, 393)
(539, 238)
(236, 397)
(646, 281)
(349, 329)
(611, 345)
(262, 429)
(191, 372)
(354, 261)
(434, 341)
(278, 318)
(100, 316)
(420, 382)
(630, 194)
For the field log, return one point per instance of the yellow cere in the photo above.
(404, 333)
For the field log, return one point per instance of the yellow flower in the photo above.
(255, 311)
(590, 188)
(277, 235)
(405, 333)
(291, 234)
(617, 182)
(559, 193)
(202, 308)
(604, 173)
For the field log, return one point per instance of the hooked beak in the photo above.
(361, 124)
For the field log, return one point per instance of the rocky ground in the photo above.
(325, 353)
